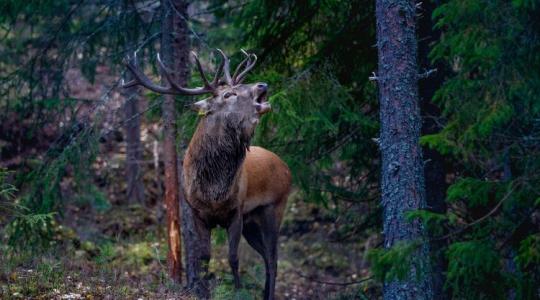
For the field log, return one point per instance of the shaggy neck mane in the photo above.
(217, 153)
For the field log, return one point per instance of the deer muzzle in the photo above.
(263, 107)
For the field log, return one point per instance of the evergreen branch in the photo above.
(481, 219)
(524, 218)
(340, 143)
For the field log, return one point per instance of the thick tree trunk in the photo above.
(135, 186)
(434, 169)
(402, 164)
(194, 269)
(174, 52)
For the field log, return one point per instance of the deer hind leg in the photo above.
(270, 235)
(234, 232)
(261, 232)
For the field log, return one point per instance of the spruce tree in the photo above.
(402, 185)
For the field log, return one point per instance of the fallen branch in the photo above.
(334, 283)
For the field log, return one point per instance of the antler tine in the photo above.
(199, 67)
(164, 70)
(240, 65)
(226, 68)
(250, 66)
(132, 82)
(141, 79)
(179, 89)
(174, 89)
(215, 81)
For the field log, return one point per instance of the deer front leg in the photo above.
(202, 256)
(234, 232)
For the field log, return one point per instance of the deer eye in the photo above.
(228, 94)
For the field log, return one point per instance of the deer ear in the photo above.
(202, 107)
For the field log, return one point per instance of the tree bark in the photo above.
(434, 169)
(134, 149)
(135, 185)
(194, 270)
(402, 164)
(174, 52)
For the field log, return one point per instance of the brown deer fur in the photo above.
(227, 182)
(223, 176)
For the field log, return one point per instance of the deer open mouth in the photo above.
(263, 97)
(263, 106)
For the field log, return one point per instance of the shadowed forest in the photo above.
(411, 132)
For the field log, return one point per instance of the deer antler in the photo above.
(238, 76)
(250, 61)
(226, 69)
(173, 88)
(240, 65)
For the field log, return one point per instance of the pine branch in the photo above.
(481, 219)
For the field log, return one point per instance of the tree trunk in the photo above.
(135, 185)
(402, 164)
(174, 52)
(194, 271)
(134, 148)
(434, 169)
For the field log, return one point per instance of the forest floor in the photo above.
(123, 256)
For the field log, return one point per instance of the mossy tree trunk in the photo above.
(402, 164)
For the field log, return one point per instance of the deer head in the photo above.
(229, 96)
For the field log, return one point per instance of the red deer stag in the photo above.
(227, 182)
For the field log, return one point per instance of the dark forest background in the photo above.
(81, 178)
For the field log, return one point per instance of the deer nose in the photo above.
(263, 87)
